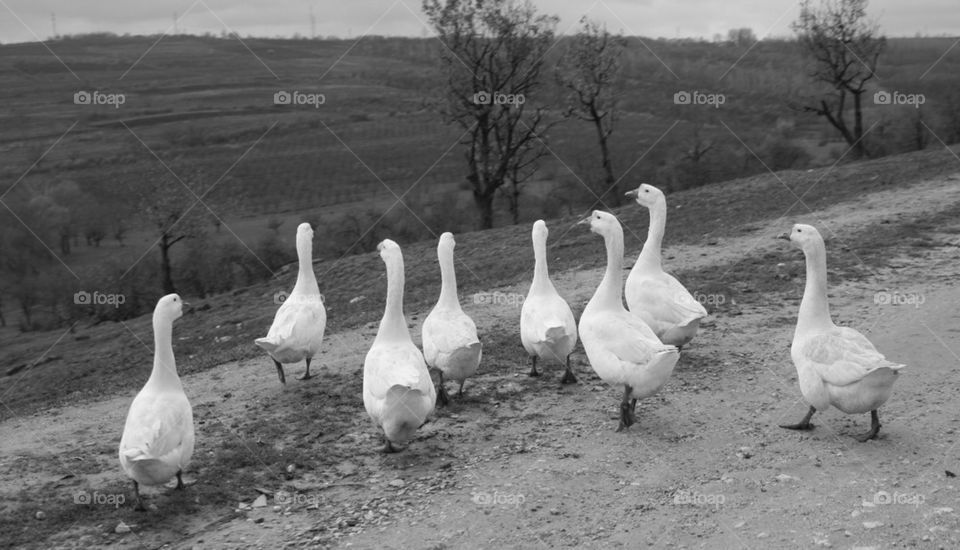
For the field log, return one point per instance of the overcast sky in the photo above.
(29, 20)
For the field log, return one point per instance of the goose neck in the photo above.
(609, 294)
(164, 372)
(306, 279)
(393, 326)
(448, 279)
(650, 254)
(814, 309)
(541, 273)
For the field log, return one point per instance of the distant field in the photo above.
(204, 107)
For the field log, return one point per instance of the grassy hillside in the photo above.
(200, 110)
(86, 361)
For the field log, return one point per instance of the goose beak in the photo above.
(783, 236)
(632, 193)
(584, 221)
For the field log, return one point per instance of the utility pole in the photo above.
(175, 29)
(313, 24)
(53, 23)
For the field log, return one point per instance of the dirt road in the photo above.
(521, 462)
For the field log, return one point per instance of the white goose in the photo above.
(621, 348)
(835, 365)
(449, 335)
(157, 440)
(653, 294)
(397, 391)
(547, 327)
(297, 330)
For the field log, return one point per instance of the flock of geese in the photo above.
(634, 347)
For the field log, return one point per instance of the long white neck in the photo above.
(814, 310)
(164, 373)
(448, 279)
(541, 273)
(609, 294)
(306, 279)
(650, 254)
(393, 326)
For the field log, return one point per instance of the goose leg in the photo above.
(874, 427)
(460, 391)
(283, 379)
(803, 424)
(442, 397)
(568, 377)
(627, 418)
(180, 484)
(388, 447)
(136, 491)
(533, 369)
(306, 375)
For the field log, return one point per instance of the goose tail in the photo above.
(267, 344)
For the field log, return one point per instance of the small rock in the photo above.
(41, 515)
(397, 483)
(763, 535)
(554, 512)
(260, 502)
(121, 528)
(872, 524)
(739, 524)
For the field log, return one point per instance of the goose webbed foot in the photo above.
(136, 491)
(874, 427)
(443, 398)
(627, 406)
(306, 375)
(533, 369)
(180, 484)
(568, 376)
(804, 424)
(283, 379)
(389, 448)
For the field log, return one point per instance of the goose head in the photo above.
(169, 308)
(602, 223)
(304, 236)
(805, 237)
(646, 195)
(388, 250)
(539, 230)
(446, 241)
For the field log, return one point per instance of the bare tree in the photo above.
(844, 47)
(493, 55)
(174, 211)
(589, 70)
